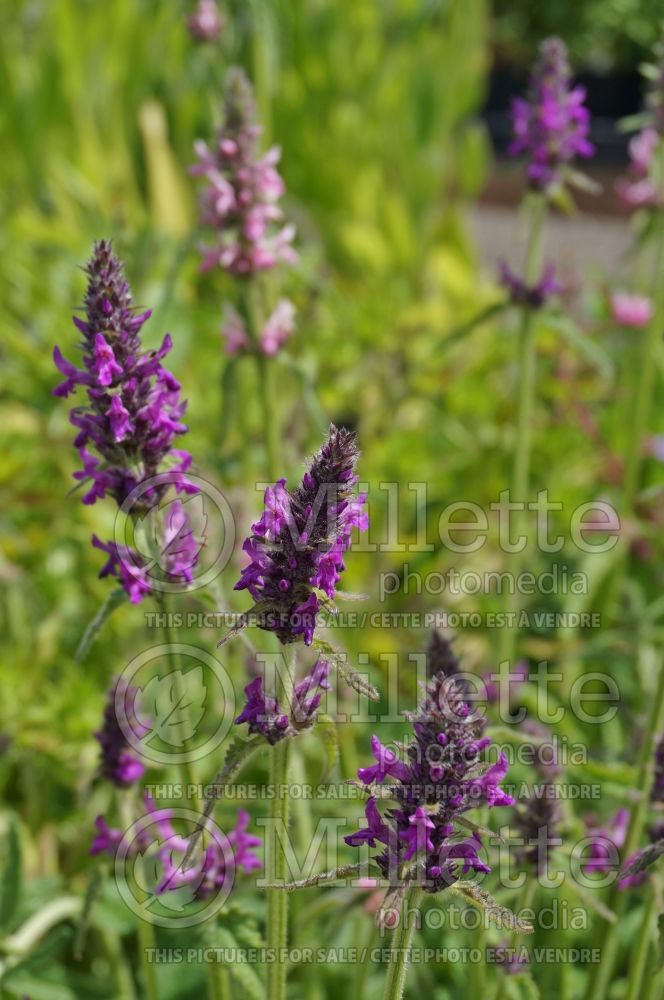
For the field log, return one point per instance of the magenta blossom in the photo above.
(639, 189)
(551, 125)
(206, 23)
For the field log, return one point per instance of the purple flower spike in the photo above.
(240, 201)
(118, 763)
(534, 296)
(297, 546)
(551, 125)
(127, 430)
(443, 779)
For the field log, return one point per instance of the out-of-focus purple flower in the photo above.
(234, 331)
(512, 959)
(551, 124)
(154, 835)
(297, 546)
(638, 189)
(532, 296)
(107, 838)
(127, 430)
(606, 841)
(279, 326)
(440, 779)
(206, 23)
(240, 201)
(263, 714)
(634, 311)
(119, 764)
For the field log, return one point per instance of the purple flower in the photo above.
(206, 23)
(263, 714)
(387, 765)
(127, 430)
(119, 764)
(297, 546)
(551, 125)
(605, 841)
(533, 296)
(240, 201)
(155, 836)
(443, 779)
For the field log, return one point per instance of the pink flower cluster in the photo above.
(240, 200)
(206, 23)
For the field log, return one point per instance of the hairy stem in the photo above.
(402, 942)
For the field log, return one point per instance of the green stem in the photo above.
(187, 774)
(604, 969)
(524, 902)
(402, 941)
(525, 407)
(270, 419)
(638, 962)
(147, 941)
(277, 899)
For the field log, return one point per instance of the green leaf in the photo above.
(11, 882)
(243, 974)
(113, 601)
(501, 916)
(326, 731)
(583, 343)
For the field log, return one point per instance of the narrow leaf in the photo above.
(10, 884)
(501, 916)
(114, 600)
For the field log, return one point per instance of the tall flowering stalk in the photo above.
(424, 842)
(240, 205)
(642, 191)
(550, 128)
(128, 428)
(296, 558)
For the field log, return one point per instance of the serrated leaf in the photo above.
(501, 916)
(11, 881)
(115, 599)
(243, 974)
(327, 733)
(171, 707)
(349, 675)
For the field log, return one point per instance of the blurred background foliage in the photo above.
(375, 107)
